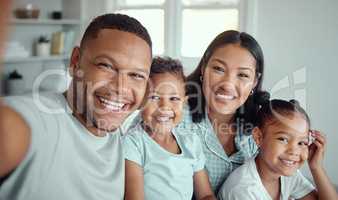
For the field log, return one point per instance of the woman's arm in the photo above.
(133, 181)
(202, 188)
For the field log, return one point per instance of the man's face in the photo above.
(110, 75)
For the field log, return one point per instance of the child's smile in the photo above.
(164, 103)
(284, 145)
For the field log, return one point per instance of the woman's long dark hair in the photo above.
(246, 113)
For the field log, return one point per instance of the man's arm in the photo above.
(14, 139)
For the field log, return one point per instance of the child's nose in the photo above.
(164, 103)
(293, 149)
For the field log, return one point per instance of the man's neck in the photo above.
(81, 116)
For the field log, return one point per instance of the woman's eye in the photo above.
(243, 75)
(218, 69)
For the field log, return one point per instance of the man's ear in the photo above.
(257, 135)
(74, 61)
(185, 99)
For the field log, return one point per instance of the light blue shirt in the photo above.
(167, 175)
(218, 164)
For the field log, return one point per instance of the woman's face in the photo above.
(228, 78)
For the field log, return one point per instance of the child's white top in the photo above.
(166, 175)
(245, 183)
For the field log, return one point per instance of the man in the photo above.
(73, 148)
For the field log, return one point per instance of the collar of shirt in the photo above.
(213, 144)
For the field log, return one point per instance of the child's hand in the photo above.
(316, 150)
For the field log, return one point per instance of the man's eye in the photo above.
(138, 76)
(283, 140)
(105, 65)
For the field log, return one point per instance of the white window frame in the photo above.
(173, 11)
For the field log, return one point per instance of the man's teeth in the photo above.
(226, 97)
(112, 105)
(288, 162)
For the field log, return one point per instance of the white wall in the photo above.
(300, 42)
(303, 34)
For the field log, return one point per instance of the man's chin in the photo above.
(109, 123)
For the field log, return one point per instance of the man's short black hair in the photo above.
(116, 21)
(161, 65)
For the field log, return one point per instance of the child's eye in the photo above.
(154, 97)
(174, 99)
(283, 140)
(303, 143)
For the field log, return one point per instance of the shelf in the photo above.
(36, 59)
(46, 21)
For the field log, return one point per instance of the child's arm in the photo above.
(325, 189)
(202, 188)
(133, 181)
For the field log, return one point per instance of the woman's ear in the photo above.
(257, 135)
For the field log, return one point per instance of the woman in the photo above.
(221, 102)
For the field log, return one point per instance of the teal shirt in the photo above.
(167, 176)
(218, 164)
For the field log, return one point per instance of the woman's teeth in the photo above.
(225, 97)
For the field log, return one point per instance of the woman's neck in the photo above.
(221, 118)
(225, 130)
(221, 122)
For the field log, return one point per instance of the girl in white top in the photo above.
(164, 161)
(285, 143)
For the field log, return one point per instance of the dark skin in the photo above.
(14, 132)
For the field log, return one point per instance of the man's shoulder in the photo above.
(49, 103)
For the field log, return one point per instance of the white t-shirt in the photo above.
(64, 161)
(167, 175)
(245, 183)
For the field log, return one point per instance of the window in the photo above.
(183, 28)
